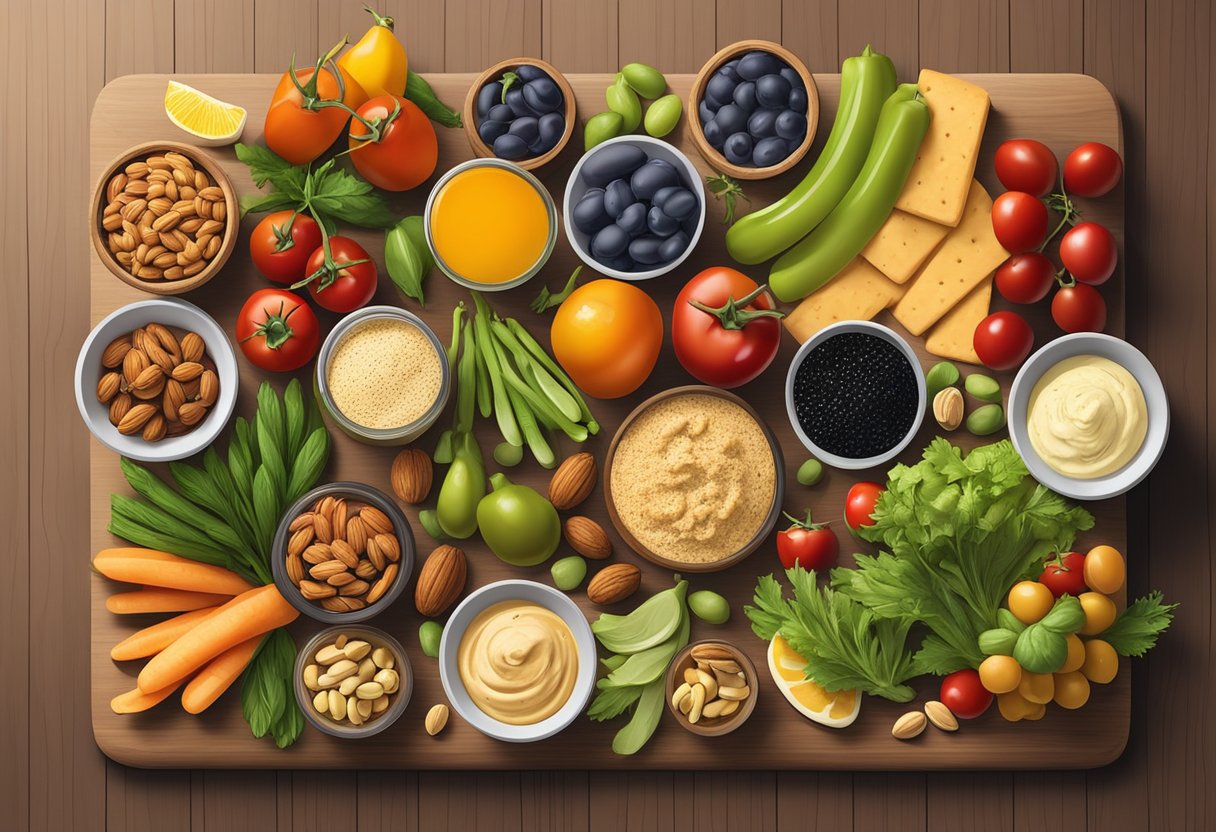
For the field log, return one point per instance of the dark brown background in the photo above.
(1155, 57)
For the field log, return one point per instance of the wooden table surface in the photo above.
(1155, 57)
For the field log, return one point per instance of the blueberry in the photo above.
(705, 111)
(738, 148)
(790, 74)
(589, 215)
(551, 127)
(608, 242)
(797, 101)
(772, 91)
(543, 96)
(487, 97)
(527, 72)
(510, 147)
(731, 118)
(761, 125)
(680, 205)
(618, 197)
(491, 130)
(673, 247)
(720, 87)
(661, 224)
(645, 250)
(518, 104)
(633, 219)
(756, 64)
(526, 128)
(790, 125)
(501, 112)
(745, 96)
(769, 152)
(713, 133)
(651, 176)
(615, 161)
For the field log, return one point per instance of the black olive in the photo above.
(745, 96)
(661, 224)
(633, 219)
(551, 127)
(720, 87)
(618, 197)
(616, 161)
(790, 74)
(491, 130)
(518, 104)
(705, 112)
(753, 65)
(730, 70)
(731, 119)
(501, 112)
(673, 246)
(738, 148)
(797, 101)
(526, 128)
(770, 151)
(645, 250)
(681, 204)
(589, 215)
(790, 125)
(528, 72)
(609, 242)
(543, 96)
(511, 147)
(651, 176)
(762, 124)
(487, 97)
(713, 133)
(773, 91)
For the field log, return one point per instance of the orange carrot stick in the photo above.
(156, 599)
(135, 701)
(210, 683)
(151, 640)
(155, 568)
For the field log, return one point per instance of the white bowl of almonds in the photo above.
(352, 681)
(156, 380)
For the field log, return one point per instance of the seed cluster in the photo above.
(855, 395)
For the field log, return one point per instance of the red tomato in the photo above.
(280, 245)
(1003, 340)
(859, 504)
(1093, 169)
(1027, 165)
(1089, 253)
(277, 330)
(1019, 221)
(1065, 575)
(406, 151)
(731, 334)
(964, 694)
(807, 544)
(1079, 308)
(1025, 277)
(347, 286)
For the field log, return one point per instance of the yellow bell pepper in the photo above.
(378, 61)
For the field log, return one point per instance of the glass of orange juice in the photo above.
(490, 224)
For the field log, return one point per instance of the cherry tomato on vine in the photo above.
(1027, 165)
(299, 127)
(280, 245)
(1025, 277)
(1003, 340)
(277, 330)
(404, 153)
(1079, 308)
(1089, 253)
(859, 504)
(1065, 575)
(724, 328)
(964, 694)
(1093, 169)
(807, 544)
(352, 281)
(1019, 221)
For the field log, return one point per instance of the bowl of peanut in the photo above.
(352, 681)
(165, 217)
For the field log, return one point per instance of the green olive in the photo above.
(568, 573)
(645, 80)
(810, 472)
(986, 420)
(663, 115)
(429, 635)
(602, 127)
(985, 388)
(623, 100)
(709, 606)
(941, 375)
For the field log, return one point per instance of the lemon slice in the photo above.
(835, 710)
(211, 121)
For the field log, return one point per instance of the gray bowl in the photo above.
(344, 730)
(367, 494)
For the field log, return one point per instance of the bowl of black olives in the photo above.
(756, 108)
(521, 110)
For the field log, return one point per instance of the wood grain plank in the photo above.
(754, 19)
(322, 801)
(966, 801)
(891, 802)
(581, 35)
(213, 36)
(809, 29)
(1054, 800)
(1046, 36)
(470, 800)
(418, 24)
(820, 801)
(723, 801)
(964, 35)
(890, 26)
(147, 801)
(239, 801)
(388, 801)
(283, 28)
(673, 35)
(139, 37)
(478, 33)
(634, 800)
(555, 801)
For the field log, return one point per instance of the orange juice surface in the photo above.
(489, 225)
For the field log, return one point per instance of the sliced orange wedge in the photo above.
(835, 710)
(211, 121)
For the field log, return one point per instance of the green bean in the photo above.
(538, 352)
(485, 405)
(508, 455)
(543, 382)
(466, 389)
(533, 436)
(540, 404)
(503, 413)
(454, 346)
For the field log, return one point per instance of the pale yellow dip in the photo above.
(518, 662)
(384, 374)
(1087, 417)
(693, 478)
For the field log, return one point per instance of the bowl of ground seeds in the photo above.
(692, 479)
(382, 377)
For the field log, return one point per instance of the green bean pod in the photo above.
(866, 81)
(844, 233)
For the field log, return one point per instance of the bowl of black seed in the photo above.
(855, 394)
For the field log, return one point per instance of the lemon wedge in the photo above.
(835, 710)
(211, 121)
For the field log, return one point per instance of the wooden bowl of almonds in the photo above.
(165, 217)
(711, 688)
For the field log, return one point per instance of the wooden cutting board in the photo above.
(1060, 110)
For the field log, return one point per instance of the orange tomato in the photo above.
(407, 151)
(607, 336)
(300, 135)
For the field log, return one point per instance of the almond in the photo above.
(380, 587)
(108, 387)
(119, 406)
(115, 352)
(389, 547)
(134, 363)
(328, 569)
(948, 408)
(135, 419)
(318, 553)
(187, 371)
(300, 540)
(941, 716)
(910, 725)
(356, 535)
(192, 347)
(344, 553)
(441, 580)
(209, 387)
(375, 519)
(411, 475)
(614, 583)
(191, 413)
(148, 379)
(573, 481)
(588, 538)
(155, 428)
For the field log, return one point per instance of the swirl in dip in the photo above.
(1087, 417)
(518, 662)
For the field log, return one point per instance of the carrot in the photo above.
(251, 614)
(210, 683)
(155, 568)
(156, 599)
(134, 701)
(151, 640)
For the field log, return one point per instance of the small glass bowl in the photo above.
(376, 638)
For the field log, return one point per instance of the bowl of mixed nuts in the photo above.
(352, 681)
(711, 688)
(343, 553)
(165, 217)
(156, 380)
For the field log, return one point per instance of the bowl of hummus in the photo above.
(517, 661)
(1089, 416)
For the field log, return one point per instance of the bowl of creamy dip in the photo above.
(382, 376)
(517, 660)
(1089, 416)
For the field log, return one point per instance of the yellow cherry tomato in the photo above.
(607, 336)
(378, 62)
(1076, 654)
(1035, 712)
(1101, 662)
(1072, 690)
(1000, 674)
(1029, 601)
(1037, 688)
(1100, 612)
(1105, 570)
(1013, 706)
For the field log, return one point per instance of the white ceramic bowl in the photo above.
(1131, 359)
(533, 593)
(887, 335)
(176, 314)
(655, 149)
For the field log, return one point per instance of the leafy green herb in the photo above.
(548, 300)
(846, 645)
(419, 91)
(729, 191)
(611, 702)
(407, 257)
(267, 699)
(1136, 629)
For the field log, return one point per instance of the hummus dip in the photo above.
(518, 662)
(1087, 417)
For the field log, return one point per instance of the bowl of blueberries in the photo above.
(757, 109)
(521, 110)
(634, 208)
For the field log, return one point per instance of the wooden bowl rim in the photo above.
(232, 221)
(715, 159)
(719, 726)
(766, 527)
(484, 151)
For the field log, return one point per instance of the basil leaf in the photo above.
(1040, 650)
(293, 408)
(267, 166)
(265, 507)
(407, 257)
(309, 464)
(1066, 616)
(338, 195)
